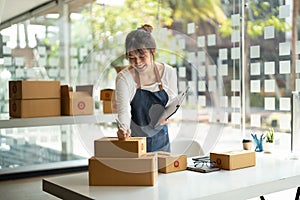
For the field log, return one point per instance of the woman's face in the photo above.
(140, 60)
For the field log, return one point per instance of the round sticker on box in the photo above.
(81, 105)
(14, 107)
(176, 163)
(219, 161)
(14, 88)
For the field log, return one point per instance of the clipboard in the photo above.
(174, 104)
(164, 113)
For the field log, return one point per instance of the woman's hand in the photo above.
(123, 132)
(164, 121)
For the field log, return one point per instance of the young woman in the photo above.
(143, 90)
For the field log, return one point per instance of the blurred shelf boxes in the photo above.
(34, 98)
(34, 89)
(109, 101)
(79, 102)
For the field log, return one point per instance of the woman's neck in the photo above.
(147, 77)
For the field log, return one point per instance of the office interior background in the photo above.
(239, 58)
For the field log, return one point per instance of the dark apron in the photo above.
(146, 107)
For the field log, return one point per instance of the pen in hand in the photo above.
(123, 131)
(120, 125)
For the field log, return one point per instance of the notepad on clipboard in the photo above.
(174, 104)
(172, 107)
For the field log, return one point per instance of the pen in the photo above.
(120, 125)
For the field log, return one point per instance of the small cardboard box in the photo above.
(107, 95)
(123, 171)
(112, 147)
(34, 89)
(76, 103)
(109, 107)
(34, 108)
(168, 162)
(234, 159)
(109, 101)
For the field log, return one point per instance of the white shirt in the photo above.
(126, 88)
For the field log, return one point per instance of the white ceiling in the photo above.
(15, 11)
(12, 8)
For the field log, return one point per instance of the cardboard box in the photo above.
(234, 159)
(107, 95)
(109, 101)
(168, 162)
(34, 89)
(109, 107)
(112, 147)
(34, 108)
(76, 103)
(123, 171)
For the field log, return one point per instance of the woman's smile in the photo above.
(141, 67)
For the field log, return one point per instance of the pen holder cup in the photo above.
(247, 144)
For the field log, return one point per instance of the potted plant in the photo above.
(269, 144)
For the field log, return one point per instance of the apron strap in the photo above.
(157, 77)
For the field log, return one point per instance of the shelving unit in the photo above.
(6, 122)
(49, 168)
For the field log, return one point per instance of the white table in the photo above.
(271, 174)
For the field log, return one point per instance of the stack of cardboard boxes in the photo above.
(43, 98)
(108, 98)
(122, 162)
(108, 101)
(125, 162)
(34, 98)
